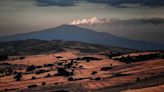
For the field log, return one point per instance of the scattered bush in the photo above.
(43, 83)
(87, 60)
(119, 75)
(48, 75)
(81, 66)
(32, 86)
(31, 68)
(21, 58)
(33, 78)
(70, 79)
(129, 59)
(98, 78)
(60, 64)
(106, 68)
(48, 65)
(3, 57)
(162, 56)
(59, 57)
(90, 58)
(40, 71)
(69, 65)
(63, 72)
(18, 76)
(94, 72)
(61, 91)
(138, 79)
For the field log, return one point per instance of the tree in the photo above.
(33, 78)
(94, 72)
(48, 75)
(30, 68)
(138, 79)
(70, 79)
(63, 72)
(18, 76)
(162, 56)
(98, 78)
(32, 86)
(87, 60)
(3, 57)
(43, 83)
(106, 68)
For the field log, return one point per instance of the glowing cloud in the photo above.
(90, 21)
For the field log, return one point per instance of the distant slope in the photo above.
(33, 47)
(74, 33)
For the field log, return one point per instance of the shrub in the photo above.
(3, 57)
(90, 58)
(138, 79)
(59, 57)
(98, 78)
(63, 72)
(94, 72)
(32, 86)
(48, 75)
(81, 66)
(33, 78)
(21, 58)
(43, 83)
(31, 68)
(162, 56)
(18, 76)
(48, 65)
(87, 60)
(61, 91)
(106, 68)
(70, 79)
(40, 71)
(60, 64)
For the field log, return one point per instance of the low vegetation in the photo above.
(130, 59)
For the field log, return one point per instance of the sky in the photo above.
(134, 19)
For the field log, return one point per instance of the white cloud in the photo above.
(90, 21)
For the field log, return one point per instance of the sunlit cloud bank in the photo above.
(90, 21)
(147, 29)
(104, 21)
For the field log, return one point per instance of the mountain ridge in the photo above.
(75, 33)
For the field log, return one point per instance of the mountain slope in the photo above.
(74, 33)
(33, 47)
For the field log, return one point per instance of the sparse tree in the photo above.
(43, 83)
(70, 79)
(94, 72)
(18, 76)
(33, 78)
(138, 79)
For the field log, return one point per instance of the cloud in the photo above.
(115, 3)
(90, 21)
(150, 29)
(61, 3)
(117, 22)
(150, 3)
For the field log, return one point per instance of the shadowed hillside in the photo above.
(33, 47)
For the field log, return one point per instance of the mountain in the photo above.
(75, 33)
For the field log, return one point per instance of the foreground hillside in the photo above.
(75, 71)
